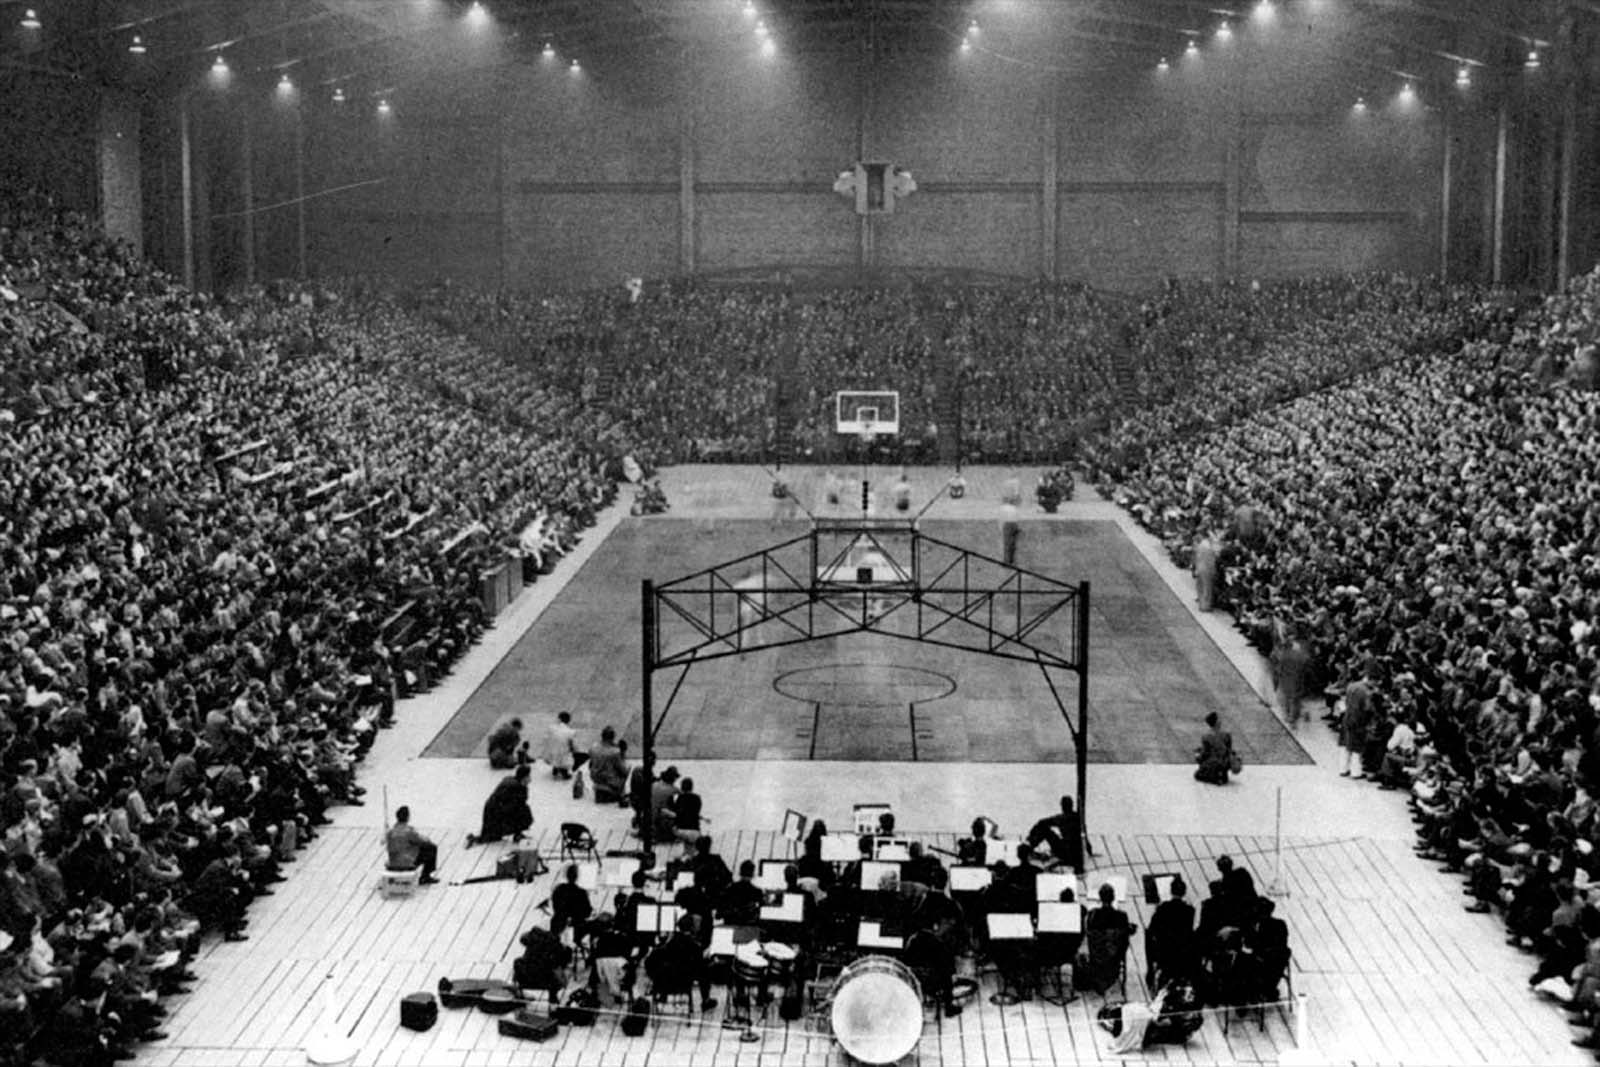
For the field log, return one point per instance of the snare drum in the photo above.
(877, 1010)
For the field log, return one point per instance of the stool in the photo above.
(399, 883)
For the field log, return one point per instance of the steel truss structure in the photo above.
(868, 576)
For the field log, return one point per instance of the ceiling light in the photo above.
(1408, 92)
(1464, 78)
(749, 9)
(285, 83)
(30, 20)
(1225, 31)
(1192, 48)
(1265, 10)
(575, 68)
(1360, 104)
(973, 28)
(137, 46)
(761, 27)
(476, 14)
(338, 95)
(549, 50)
(769, 47)
(1163, 66)
(220, 65)
(383, 106)
(1532, 62)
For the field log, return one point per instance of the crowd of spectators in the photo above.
(1424, 534)
(233, 532)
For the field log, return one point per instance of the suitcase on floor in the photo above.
(418, 1011)
(529, 1026)
(468, 992)
(637, 1020)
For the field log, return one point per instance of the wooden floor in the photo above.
(1391, 968)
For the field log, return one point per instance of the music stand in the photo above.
(870, 935)
(1012, 927)
(841, 848)
(785, 908)
(873, 873)
(866, 817)
(964, 879)
(1049, 885)
(892, 850)
(1157, 887)
(770, 874)
(794, 826)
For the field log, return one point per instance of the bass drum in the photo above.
(877, 1010)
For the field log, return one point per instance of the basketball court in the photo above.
(1154, 673)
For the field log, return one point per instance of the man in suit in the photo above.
(409, 849)
(1169, 939)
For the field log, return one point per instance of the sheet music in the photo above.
(1050, 885)
(1006, 926)
(1059, 918)
(870, 935)
(770, 874)
(969, 879)
(841, 848)
(789, 909)
(892, 850)
(873, 873)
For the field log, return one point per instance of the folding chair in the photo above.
(577, 841)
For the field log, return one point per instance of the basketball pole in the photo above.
(1083, 715)
(647, 651)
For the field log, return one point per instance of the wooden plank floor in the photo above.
(1380, 964)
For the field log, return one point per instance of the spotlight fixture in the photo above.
(219, 65)
(973, 28)
(1408, 93)
(1225, 31)
(1463, 77)
(30, 20)
(285, 84)
(1163, 66)
(1360, 105)
(383, 106)
(136, 47)
(575, 68)
(338, 95)
(549, 50)
(1532, 62)
(1192, 48)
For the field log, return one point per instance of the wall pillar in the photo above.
(186, 188)
(247, 195)
(1568, 175)
(687, 177)
(1050, 179)
(1498, 237)
(1444, 197)
(1233, 153)
(300, 191)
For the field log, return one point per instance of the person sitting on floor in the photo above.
(1060, 836)
(543, 963)
(505, 742)
(506, 812)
